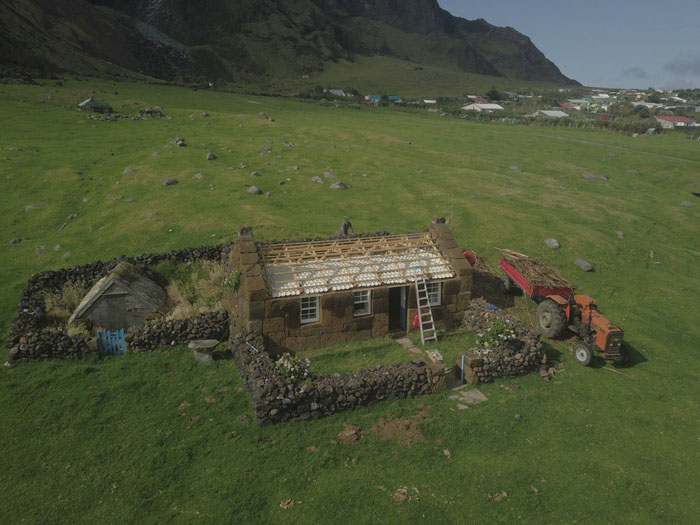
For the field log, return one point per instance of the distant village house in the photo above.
(670, 122)
(95, 106)
(482, 108)
(549, 113)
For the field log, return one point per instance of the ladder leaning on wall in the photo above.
(425, 314)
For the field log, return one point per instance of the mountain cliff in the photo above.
(230, 40)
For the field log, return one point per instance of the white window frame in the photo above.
(434, 293)
(365, 298)
(309, 311)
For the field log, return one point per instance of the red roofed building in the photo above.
(671, 122)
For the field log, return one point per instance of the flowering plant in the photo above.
(498, 335)
(294, 367)
(233, 280)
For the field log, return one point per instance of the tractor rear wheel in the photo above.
(582, 354)
(550, 318)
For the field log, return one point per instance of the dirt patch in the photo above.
(405, 431)
(350, 434)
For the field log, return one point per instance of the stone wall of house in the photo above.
(29, 338)
(457, 294)
(279, 318)
(522, 355)
(276, 398)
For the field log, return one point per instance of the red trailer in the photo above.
(535, 290)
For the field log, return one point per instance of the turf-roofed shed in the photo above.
(124, 298)
(317, 293)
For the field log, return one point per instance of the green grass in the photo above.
(104, 441)
(356, 355)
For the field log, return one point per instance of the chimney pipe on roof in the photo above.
(245, 232)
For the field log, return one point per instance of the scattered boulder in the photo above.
(57, 247)
(127, 170)
(329, 175)
(620, 234)
(632, 172)
(515, 168)
(16, 240)
(156, 154)
(263, 115)
(211, 156)
(242, 165)
(318, 179)
(295, 168)
(254, 190)
(584, 265)
(688, 204)
(169, 182)
(339, 186)
(604, 177)
(267, 148)
(588, 176)
(85, 199)
(204, 114)
(255, 173)
(34, 206)
(198, 176)
(39, 250)
(268, 194)
(552, 243)
(180, 142)
(130, 199)
(288, 144)
(282, 183)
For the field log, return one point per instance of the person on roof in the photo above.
(345, 228)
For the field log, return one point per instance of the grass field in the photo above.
(152, 437)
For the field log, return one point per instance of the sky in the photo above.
(613, 43)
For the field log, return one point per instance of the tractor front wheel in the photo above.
(582, 354)
(550, 318)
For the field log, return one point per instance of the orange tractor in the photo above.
(559, 308)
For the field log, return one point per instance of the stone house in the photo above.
(312, 294)
(122, 299)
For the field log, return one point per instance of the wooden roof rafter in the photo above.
(313, 267)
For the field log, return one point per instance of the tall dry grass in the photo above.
(199, 291)
(62, 303)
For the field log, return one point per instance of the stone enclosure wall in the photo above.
(276, 398)
(520, 356)
(29, 338)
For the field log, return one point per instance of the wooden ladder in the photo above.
(425, 314)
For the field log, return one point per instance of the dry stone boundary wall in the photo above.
(523, 355)
(28, 337)
(276, 398)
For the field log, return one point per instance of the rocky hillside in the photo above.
(231, 40)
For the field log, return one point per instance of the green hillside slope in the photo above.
(154, 437)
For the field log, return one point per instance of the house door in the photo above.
(398, 299)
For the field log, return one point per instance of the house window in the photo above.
(434, 293)
(309, 310)
(363, 304)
